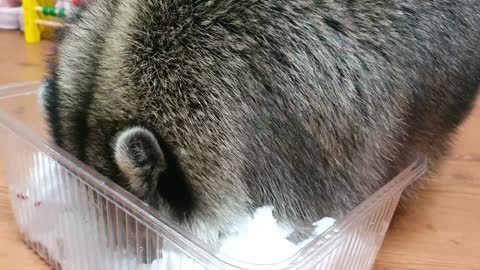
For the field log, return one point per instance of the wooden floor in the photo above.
(440, 231)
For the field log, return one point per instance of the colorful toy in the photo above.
(37, 23)
(42, 17)
(37, 18)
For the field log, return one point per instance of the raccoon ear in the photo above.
(140, 158)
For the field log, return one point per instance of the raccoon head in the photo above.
(175, 173)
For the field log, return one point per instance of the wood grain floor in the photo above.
(440, 230)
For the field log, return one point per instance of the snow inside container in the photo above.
(74, 218)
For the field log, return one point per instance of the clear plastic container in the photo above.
(74, 218)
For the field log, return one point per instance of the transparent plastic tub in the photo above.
(74, 218)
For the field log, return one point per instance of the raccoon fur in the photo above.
(208, 109)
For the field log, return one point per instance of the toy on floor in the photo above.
(37, 18)
(42, 17)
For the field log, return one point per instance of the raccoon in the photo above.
(208, 109)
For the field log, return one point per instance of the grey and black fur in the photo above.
(208, 109)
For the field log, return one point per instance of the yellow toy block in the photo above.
(33, 31)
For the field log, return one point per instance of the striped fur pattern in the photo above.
(209, 109)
